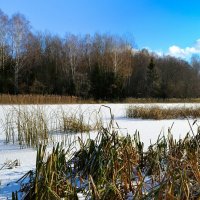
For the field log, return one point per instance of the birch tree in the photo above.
(117, 48)
(3, 39)
(72, 56)
(19, 31)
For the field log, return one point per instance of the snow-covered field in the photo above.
(148, 129)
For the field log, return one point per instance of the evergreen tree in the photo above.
(105, 84)
(153, 83)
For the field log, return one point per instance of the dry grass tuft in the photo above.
(160, 100)
(159, 113)
(26, 127)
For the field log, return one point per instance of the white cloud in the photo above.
(158, 52)
(184, 52)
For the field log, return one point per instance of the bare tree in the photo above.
(73, 53)
(195, 61)
(87, 50)
(3, 39)
(115, 49)
(98, 50)
(19, 31)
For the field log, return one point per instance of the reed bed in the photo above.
(74, 122)
(161, 100)
(32, 126)
(50, 180)
(28, 128)
(57, 99)
(117, 167)
(44, 99)
(159, 113)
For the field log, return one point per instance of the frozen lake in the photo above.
(149, 131)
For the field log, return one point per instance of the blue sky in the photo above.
(165, 26)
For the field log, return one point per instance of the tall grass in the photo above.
(117, 167)
(8, 125)
(31, 126)
(26, 127)
(74, 123)
(162, 113)
(50, 180)
(161, 100)
(56, 99)
(44, 99)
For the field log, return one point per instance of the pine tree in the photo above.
(153, 83)
(105, 84)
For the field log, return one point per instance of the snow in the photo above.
(148, 129)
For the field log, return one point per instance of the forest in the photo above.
(98, 66)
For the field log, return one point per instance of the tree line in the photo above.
(100, 66)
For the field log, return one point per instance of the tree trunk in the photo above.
(16, 81)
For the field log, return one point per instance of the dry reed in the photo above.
(32, 126)
(162, 113)
(44, 99)
(117, 167)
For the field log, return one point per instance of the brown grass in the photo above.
(162, 113)
(111, 166)
(160, 100)
(32, 126)
(43, 99)
(56, 99)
